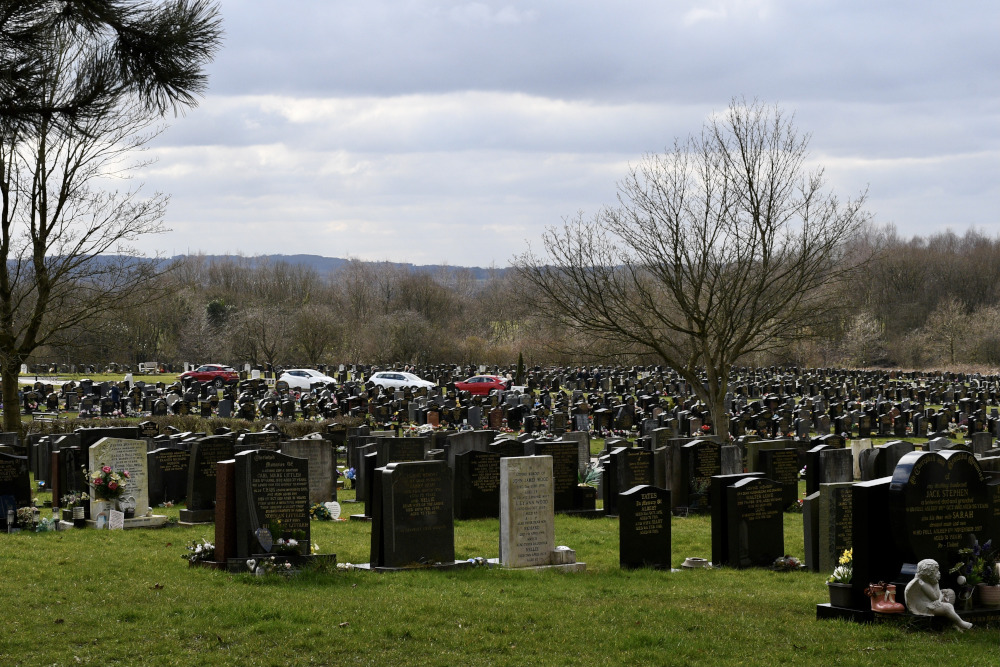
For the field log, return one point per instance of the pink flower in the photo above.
(112, 486)
(98, 481)
(127, 476)
(106, 469)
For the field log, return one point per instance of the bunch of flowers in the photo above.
(978, 564)
(786, 563)
(286, 546)
(319, 512)
(199, 551)
(71, 500)
(844, 571)
(26, 515)
(350, 476)
(108, 484)
(268, 566)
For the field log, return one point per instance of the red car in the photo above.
(481, 385)
(215, 373)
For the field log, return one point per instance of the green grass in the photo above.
(127, 598)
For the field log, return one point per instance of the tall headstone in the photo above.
(836, 521)
(527, 512)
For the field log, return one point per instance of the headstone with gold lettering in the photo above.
(644, 528)
(477, 485)
(755, 523)
(412, 515)
(272, 503)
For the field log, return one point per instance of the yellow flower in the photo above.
(847, 557)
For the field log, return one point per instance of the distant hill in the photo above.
(326, 265)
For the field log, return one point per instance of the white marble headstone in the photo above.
(122, 454)
(527, 511)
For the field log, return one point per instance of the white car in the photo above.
(303, 379)
(399, 380)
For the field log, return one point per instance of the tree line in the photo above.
(922, 302)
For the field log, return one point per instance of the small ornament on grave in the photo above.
(924, 597)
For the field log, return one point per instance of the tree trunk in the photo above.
(9, 375)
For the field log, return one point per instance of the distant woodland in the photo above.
(925, 302)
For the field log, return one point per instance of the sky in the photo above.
(453, 132)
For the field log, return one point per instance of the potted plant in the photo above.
(839, 583)
(977, 567)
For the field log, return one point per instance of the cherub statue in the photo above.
(925, 598)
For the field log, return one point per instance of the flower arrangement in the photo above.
(268, 566)
(978, 564)
(350, 476)
(108, 484)
(286, 547)
(319, 512)
(26, 515)
(71, 500)
(199, 551)
(786, 563)
(844, 571)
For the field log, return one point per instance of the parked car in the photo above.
(217, 374)
(398, 380)
(303, 379)
(481, 385)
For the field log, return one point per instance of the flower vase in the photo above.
(989, 596)
(840, 594)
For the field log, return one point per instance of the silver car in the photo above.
(399, 380)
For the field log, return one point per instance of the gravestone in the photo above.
(755, 523)
(527, 513)
(564, 469)
(701, 460)
(122, 454)
(205, 453)
(15, 485)
(644, 528)
(272, 502)
(319, 453)
(836, 520)
(624, 468)
(936, 501)
(168, 475)
(412, 518)
(782, 466)
(477, 485)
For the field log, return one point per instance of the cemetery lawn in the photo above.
(84, 597)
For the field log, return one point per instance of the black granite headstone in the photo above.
(782, 466)
(477, 485)
(15, 485)
(644, 528)
(720, 513)
(412, 518)
(167, 475)
(272, 502)
(205, 453)
(755, 523)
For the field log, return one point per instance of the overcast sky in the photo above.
(454, 132)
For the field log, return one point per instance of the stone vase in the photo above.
(840, 595)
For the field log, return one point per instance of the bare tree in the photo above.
(718, 248)
(66, 252)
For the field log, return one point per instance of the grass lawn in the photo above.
(84, 597)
